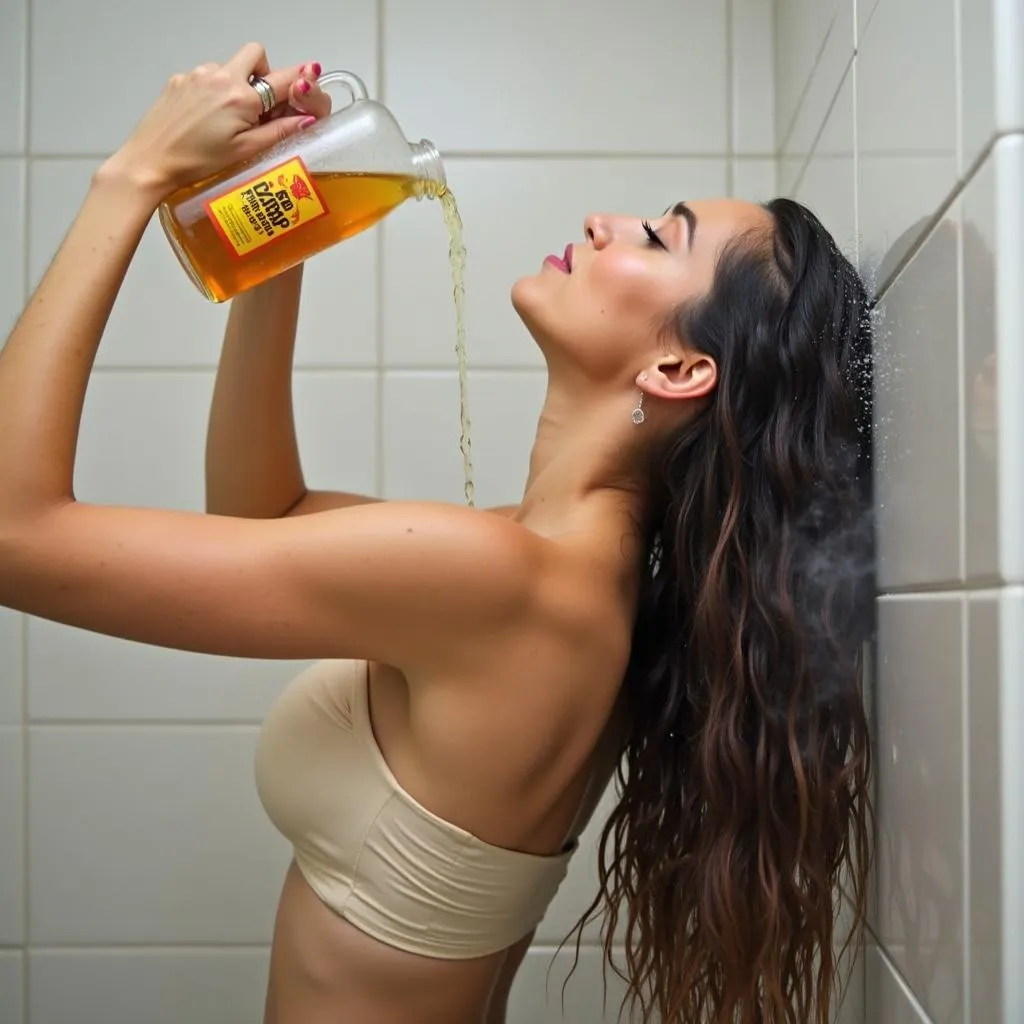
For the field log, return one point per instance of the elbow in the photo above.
(28, 519)
(22, 537)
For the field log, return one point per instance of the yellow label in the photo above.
(266, 207)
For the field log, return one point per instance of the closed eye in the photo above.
(653, 236)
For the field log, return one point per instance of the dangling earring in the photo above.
(638, 412)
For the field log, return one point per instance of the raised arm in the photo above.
(253, 465)
(384, 582)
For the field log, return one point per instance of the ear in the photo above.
(693, 375)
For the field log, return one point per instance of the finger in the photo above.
(251, 59)
(255, 140)
(308, 97)
(284, 80)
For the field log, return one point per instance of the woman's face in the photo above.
(602, 304)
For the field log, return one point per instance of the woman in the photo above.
(683, 591)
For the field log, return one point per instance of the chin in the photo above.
(527, 298)
(531, 300)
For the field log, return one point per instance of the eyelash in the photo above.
(653, 235)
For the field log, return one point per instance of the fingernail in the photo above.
(303, 86)
(306, 122)
(317, 69)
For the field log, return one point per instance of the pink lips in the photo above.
(563, 263)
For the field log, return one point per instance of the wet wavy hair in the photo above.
(744, 813)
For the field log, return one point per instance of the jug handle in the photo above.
(353, 83)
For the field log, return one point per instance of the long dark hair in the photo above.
(744, 818)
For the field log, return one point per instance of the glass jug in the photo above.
(256, 219)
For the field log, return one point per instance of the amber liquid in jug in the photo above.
(266, 225)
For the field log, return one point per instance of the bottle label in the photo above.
(266, 208)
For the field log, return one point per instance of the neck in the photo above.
(580, 463)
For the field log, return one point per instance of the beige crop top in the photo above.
(370, 851)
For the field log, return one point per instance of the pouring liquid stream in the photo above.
(457, 257)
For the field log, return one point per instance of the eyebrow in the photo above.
(682, 210)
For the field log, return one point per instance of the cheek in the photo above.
(626, 294)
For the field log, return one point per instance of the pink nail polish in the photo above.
(317, 69)
(306, 122)
(303, 86)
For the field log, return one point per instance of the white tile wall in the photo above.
(889, 1001)
(10, 668)
(12, 280)
(1011, 786)
(160, 463)
(891, 56)
(12, 838)
(865, 10)
(11, 975)
(149, 836)
(828, 179)
(815, 107)
(537, 996)
(898, 194)
(421, 434)
(756, 180)
(13, 60)
(1008, 31)
(907, 150)
(560, 78)
(936, 199)
(144, 825)
(204, 986)
(1008, 163)
(753, 77)
(984, 831)
(89, 38)
(918, 399)
(802, 29)
(918, 915)
(86, 677)
(977, 82)
(980, 367)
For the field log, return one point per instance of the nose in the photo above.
(598, 229)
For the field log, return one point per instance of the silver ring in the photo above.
(265, 91)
